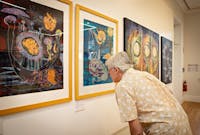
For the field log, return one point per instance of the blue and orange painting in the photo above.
(142, 46)
(31, 48)
(98, 47)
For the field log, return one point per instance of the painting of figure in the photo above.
(146, 49)
(142, 46)
(98, 46)
(154, 62)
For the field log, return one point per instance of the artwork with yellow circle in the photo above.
(142, 46)
(98, 47)
(31, 48)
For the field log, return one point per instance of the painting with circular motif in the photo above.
(31, 50)
(142, 46)
(98, 45)
(96, 41)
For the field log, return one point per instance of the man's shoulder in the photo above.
(130, 76)
(132, 73)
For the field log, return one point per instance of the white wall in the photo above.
(178, 61)
(178, 49)
(192, 55)
(99, 115)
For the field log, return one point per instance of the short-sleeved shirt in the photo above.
(142, 96)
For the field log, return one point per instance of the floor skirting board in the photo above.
(191, 98)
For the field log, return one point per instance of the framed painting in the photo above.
(96, 41)
(142, 46)
(35, 51)
(166, 60)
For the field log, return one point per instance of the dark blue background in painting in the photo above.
(90, 44)
(166, 60)
(10, 82)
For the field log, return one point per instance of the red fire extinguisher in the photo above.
(184, 86)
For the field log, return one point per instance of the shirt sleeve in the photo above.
(126, 101)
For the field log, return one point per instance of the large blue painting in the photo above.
(98, 46)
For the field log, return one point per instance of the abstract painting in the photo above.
(142, 46)
(96, 41)
(98, 45)
(32, 47)
(166, 60)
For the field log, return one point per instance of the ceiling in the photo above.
(189, 5)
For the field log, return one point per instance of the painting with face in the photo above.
(154, 62)
(133, 43)
(142, 46)
(96, 41)
(146, 49)
(98, 45)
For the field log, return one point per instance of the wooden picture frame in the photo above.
(39, 60)
(96, 40)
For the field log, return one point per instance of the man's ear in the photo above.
(116, 69)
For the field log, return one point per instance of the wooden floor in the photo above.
(193, 111)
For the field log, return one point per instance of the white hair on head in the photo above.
(120, 60)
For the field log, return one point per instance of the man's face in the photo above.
(115, 74)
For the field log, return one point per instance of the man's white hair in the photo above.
(120, 60)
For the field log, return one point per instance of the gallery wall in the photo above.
(191, 56)
(98, 115)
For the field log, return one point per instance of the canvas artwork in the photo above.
(98, 45)
(31, 49)
(166, 60)
(154, 55)
(142, 46)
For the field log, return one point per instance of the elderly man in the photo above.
(144, 101)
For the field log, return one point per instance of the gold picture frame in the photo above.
(96, 40)
(31, 100)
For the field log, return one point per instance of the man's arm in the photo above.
(135, 127)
